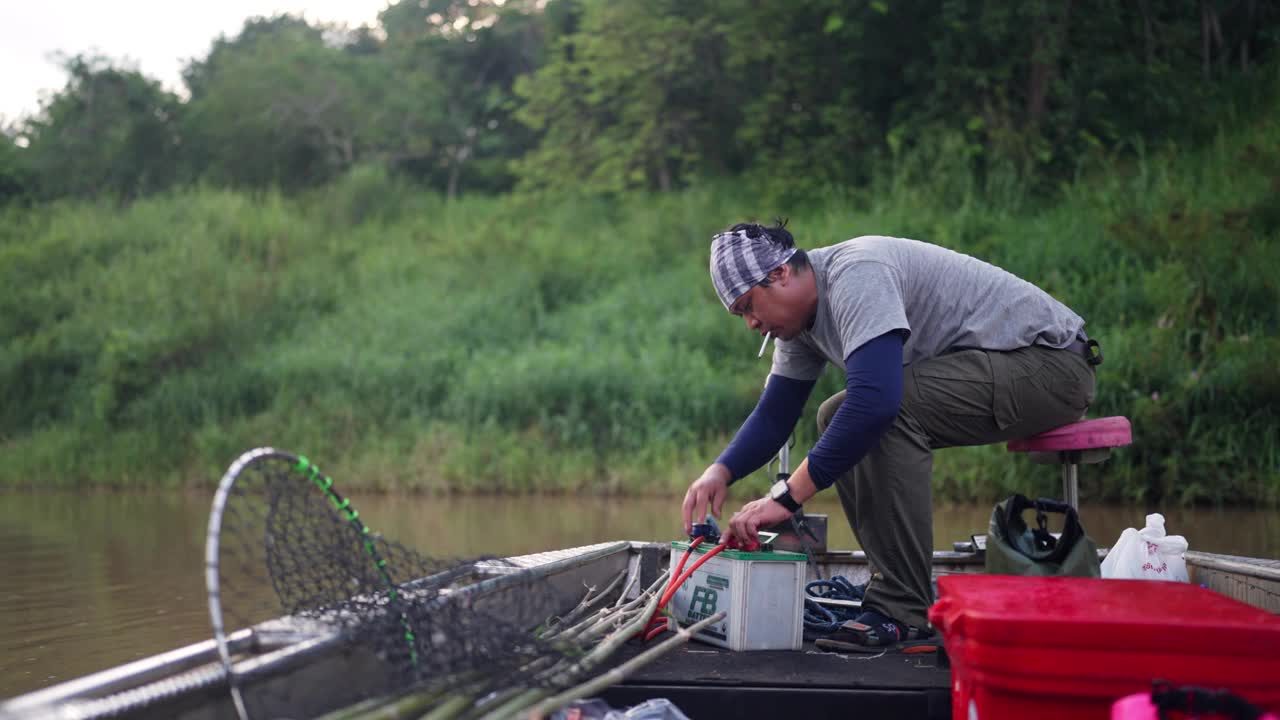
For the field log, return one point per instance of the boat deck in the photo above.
(292, 677)
(706, 681)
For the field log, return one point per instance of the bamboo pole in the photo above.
(621, 672)
(448, 709)
(622, 596)
(598, 623)
(355, 711)
(583, 607)
(589, 600)
(617, 623)
(597, 655)
(464, 699)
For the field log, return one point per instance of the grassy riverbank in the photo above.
(523, 343)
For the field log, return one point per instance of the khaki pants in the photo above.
(971, 397)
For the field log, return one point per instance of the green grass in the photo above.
(526, 343)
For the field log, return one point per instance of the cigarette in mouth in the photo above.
(765, 343)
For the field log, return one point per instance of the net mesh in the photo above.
(288, 545)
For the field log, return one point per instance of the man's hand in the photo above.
(746, 523)
(707, 493)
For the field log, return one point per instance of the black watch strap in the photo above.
(788, 502)
(785, 500)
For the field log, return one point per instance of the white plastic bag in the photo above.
(1147, 554)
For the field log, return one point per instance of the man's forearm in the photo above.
(721, 470)
(767, 428)
(802, 487)
(873, 392)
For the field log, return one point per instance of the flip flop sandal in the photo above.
(856, 637)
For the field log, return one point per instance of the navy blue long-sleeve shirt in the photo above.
(873, 393)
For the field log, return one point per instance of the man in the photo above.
(939, 349)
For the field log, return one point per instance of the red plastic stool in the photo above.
(1084, 442)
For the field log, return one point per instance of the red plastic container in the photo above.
(1045, 648)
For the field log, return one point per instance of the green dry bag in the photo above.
(1013, 548)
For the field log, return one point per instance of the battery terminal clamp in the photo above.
(709, 531)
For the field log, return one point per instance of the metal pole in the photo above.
(784, 460)
(1070, 484)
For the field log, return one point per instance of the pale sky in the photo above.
(156, 37)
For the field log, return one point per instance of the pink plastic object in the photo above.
(1107, 432)
(1139, 707)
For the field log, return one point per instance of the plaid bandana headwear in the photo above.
(739, 262)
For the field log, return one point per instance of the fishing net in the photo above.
(289, 557)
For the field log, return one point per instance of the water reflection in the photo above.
(92, 580)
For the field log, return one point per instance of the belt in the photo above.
(1087, 348)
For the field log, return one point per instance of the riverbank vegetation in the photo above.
(536, 316)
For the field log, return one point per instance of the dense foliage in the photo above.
(526, 343)
(307, 250)
(652, 94)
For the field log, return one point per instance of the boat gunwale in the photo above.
(167, 667)
(1248, 566)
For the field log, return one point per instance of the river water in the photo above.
(91, 580)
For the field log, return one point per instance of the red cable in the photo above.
(655, 621)
(654, 629)
(683, 558)
(671, 591)
(654, 632)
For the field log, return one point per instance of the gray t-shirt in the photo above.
(943, 299)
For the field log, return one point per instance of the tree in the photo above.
(454, 64)
(621, 99)
(280, 105)
(110, 131)
(15, 180)
(817, 78)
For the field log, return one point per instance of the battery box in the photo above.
(762, 594)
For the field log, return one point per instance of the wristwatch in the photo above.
(781, 494)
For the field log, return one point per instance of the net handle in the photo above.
(211, 546)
